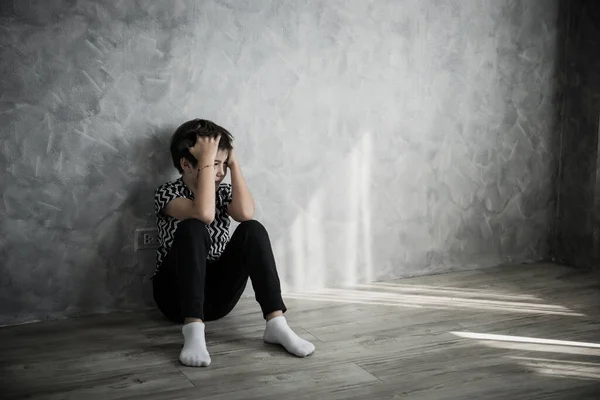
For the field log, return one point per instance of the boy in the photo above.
(201, 273)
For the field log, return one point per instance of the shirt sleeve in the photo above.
(163, 195)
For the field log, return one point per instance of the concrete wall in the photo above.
(381, 139)
(578, 226)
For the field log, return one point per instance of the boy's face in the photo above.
(221, 166)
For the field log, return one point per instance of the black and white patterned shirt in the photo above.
(167, 225)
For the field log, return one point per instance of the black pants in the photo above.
(189, 286)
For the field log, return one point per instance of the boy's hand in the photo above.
(206, 148)
(232, 161)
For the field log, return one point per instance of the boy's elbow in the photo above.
(242, 215)
(207, 220)
(206, 217)
(246, 214)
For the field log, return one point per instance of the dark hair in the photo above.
(187, 134)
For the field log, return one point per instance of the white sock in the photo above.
(194, 353)
(278, 332)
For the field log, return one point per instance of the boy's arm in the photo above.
(203, 205)
(242, 204)
(202, 208)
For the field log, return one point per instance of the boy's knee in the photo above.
(253, 226)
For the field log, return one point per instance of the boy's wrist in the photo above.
(205, 161)
(203, 166)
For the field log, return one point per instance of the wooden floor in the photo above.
(516, 332)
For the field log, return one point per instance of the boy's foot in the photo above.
(278, 332)
(194, 353)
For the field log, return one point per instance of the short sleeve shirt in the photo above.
(167, 225)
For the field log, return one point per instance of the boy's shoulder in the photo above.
(171, 188)
(169, 191)
(175, 183)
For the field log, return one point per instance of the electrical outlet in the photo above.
(145, 238)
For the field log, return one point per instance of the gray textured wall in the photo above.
(381, 139)
(578, 227)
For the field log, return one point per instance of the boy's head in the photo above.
(186, 135)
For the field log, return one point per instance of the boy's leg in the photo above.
(179, 288)
(179, 284)
(249, 254)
